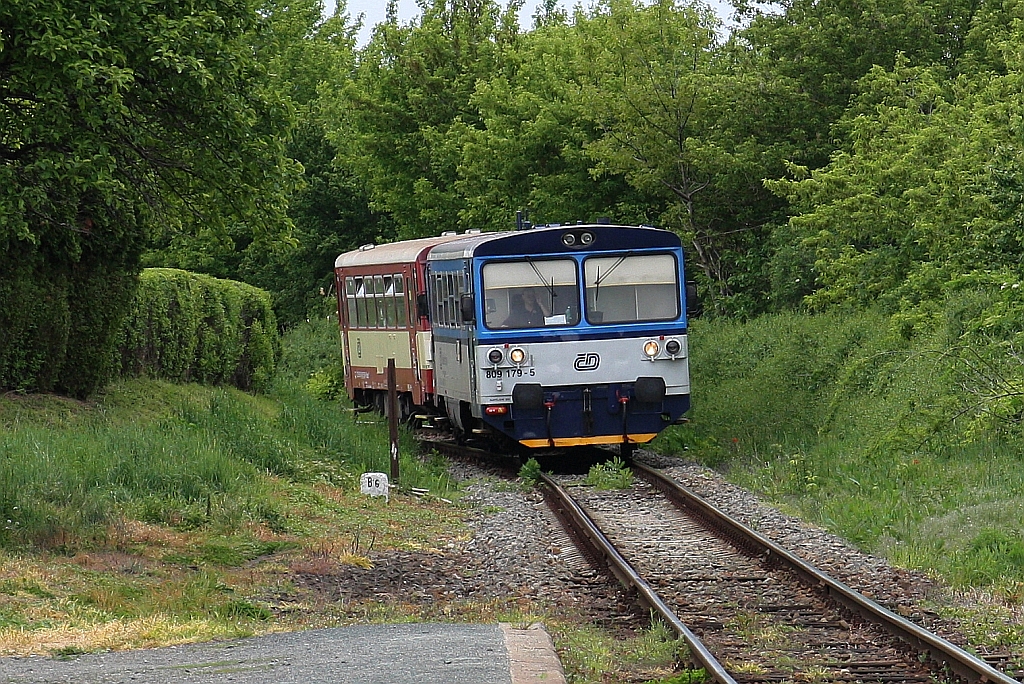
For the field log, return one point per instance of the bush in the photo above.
(190, 327)
(60, 315)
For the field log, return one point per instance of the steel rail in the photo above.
(962, 663)
(600, 545)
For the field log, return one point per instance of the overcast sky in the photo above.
(374, 11)
(407, 9)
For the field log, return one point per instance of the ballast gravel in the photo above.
(516, 558)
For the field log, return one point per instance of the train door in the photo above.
(447, 283)
(405, 281)
(468, 320)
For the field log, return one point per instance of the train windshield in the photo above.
(631, 288)
(532, 293)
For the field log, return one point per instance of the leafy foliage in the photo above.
(528, 151)
(402, 113)
(118, 116)
(919, 200)
(304, 52)
(327, 383)
(674, 119)
(118, 120)
(189, 327)
(612, 474)
(530, 472)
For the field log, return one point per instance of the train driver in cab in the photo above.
(525, 310)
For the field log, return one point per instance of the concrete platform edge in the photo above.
(532, 656)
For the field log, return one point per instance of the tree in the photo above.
(312, 58)
(116, 119)
(825, 46)
(923, 199)
(688, 132)
(401, 119)
(528, 152)
(308, 58)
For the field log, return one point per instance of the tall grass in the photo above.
(61, 488)
(164, 453)
(311, 350)
(880, 439)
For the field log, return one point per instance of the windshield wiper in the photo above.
(540, 276)
(598, 278)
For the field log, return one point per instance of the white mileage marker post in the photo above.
(374, 484)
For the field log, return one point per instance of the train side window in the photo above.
(389, 301)
(371, 302)
(378, 300)
(360, 302)
(439, 300)
(453, 303)
(461, 280)
(443, 320)
(350, 301)
(401, 302)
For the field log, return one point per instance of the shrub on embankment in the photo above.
(190, 327)
(907, 445)
(60, 312)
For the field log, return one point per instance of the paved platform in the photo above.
(365, 654)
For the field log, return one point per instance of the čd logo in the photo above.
(587, 362)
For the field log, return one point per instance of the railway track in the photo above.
(749, 610)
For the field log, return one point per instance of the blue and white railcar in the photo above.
(561, 336)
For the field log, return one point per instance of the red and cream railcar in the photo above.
(383, 315)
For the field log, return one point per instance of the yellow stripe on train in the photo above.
(583, 441)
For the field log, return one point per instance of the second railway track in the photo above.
(753, 611)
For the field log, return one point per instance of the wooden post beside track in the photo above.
(393, 419)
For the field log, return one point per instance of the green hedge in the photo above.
(60, 315)
(189, 327)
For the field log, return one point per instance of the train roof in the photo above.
(406, 251)
(548, 239)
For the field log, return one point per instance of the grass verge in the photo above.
(161, 513)
(900, 445)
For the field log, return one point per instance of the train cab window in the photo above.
(631, 289)
(531, 293)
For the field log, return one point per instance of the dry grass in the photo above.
(152, 585)
(114, 635)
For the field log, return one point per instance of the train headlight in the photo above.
(651, 348)
(568, 239)
(673, 347)
(495, 356)
(586, 238)
(517, 355)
